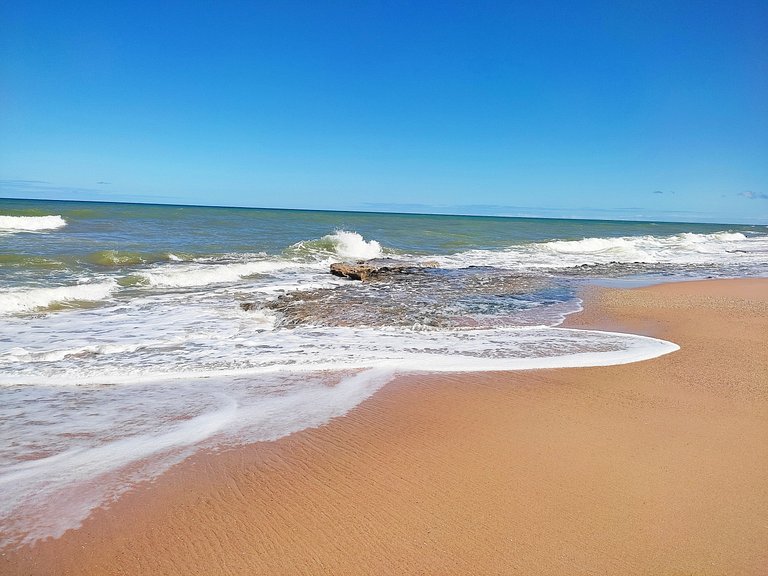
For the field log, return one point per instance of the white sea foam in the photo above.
(678, 249)
(117, 340)
(31, 223)
(194, 343)
(353, 245)
(342, 244)
(18, 354)
(18, 300)
(646, 248)
(203, 274)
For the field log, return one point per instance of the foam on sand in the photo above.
(196, 344)
(45, 497)
(52, 493)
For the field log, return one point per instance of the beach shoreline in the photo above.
(646, 468)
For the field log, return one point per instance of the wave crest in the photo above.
(645, 248)
(31, 223)
(30, 299)
(341, 244)
(680, 249)
(199, 274)
(121, 258)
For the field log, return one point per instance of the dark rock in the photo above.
(248, 306)
(367, 269)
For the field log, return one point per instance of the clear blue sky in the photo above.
(612, 109)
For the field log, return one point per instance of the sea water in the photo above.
(132, 336)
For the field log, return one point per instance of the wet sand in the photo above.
(658, 467)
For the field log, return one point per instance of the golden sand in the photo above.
(658, 467)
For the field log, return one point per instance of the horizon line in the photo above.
(448, 214)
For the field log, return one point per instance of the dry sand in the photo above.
(659, 467)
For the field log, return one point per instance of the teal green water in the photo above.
(153, 229)
(132, 237)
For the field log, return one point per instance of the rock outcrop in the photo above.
(367, 269)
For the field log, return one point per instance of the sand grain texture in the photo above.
(659, 467)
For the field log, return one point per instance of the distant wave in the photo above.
(31, 223)
(686, 248)
(341, 244)
(30, 299)
(646, 248)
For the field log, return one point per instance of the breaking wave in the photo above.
(341, 244)
(646, 248)
(680, 249)
(122, 258)
(203, 274)
(31, 299)
(308, 255)
(31, 223)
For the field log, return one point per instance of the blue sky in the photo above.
(639, 110)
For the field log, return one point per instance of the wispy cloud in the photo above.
(620, 213)
(753, 195)
(42, 190)
(22, 182)
(33, 188)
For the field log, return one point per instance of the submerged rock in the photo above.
(366, 269)
(430, 298)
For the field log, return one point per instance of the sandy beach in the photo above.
(656, 467)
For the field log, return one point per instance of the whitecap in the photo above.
(679, 249)
(16, 301)
(202, 274)
(342, 244)
(31, 223)
(353, 245)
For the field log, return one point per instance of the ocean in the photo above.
(132, 336)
